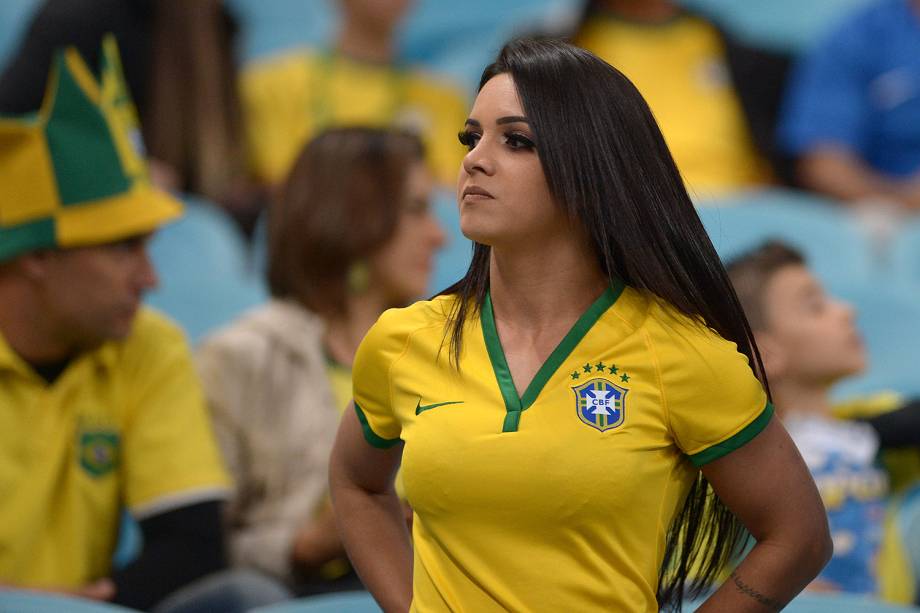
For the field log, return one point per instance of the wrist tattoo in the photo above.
(747, 590)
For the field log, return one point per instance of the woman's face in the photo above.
(502, 193)
(402, 268)
(382, 14)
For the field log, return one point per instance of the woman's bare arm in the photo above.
(768, 487)
(369, 516)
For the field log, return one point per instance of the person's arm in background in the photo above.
(838, 171)
(173, 481)
(316, 542)
(827, 114)
(766, 484)
(180, 545)
(898, 428)
(369, 515)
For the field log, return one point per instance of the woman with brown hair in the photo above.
(350, 236)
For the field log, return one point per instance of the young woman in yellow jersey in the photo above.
(561, 412)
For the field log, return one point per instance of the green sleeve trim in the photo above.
(370, 436)
(734, 442)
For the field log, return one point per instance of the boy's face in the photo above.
(809, 336)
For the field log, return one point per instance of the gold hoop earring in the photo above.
(359, 277)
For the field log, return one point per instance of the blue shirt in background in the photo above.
(860, 88)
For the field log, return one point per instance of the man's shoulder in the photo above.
(154, 337)
(865, 26)
(154, 327)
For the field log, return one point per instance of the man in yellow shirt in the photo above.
(292, 96)
(100, 408)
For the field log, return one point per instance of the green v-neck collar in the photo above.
(514, 404)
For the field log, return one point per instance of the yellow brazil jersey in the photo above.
(560, 499)
(679, 67)
(124, 425)
(289, 98)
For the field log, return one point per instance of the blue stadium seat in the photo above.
(832, 603)
(790, 25)
(205, 275)
(453, 260)
(33, 602)
(842, 603)
(836, 249)
(905, 252)
(269, 26)
(460, 43)
(130, 541)
(14, 19)
(434, 33)
(888, 316)
(344, 602)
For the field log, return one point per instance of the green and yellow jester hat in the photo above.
(74, 173)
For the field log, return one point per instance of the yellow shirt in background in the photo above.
(340, 380)
(679, 67)
(124, 425)
(289, 98)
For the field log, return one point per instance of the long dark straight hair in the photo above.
(608, 167)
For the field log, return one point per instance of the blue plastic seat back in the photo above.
(836, 248)
(789, 25)
(206, 278)
(888, 316)
(453, 260)
(270, 26)
(905, 252)
(435, 33)
(130, 541)
(15, 16)
(831, 603)
(343, 602)
(34, 602)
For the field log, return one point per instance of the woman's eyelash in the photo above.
(467, 139)
(519, 141)
(514, 139)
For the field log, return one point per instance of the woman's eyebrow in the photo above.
(501, 120)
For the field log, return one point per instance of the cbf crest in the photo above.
(600, 404)
(99, 452)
